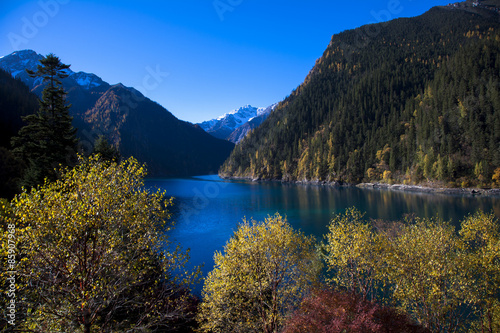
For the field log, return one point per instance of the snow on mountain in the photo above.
(17, 62)
(231, 120)
(241, 132)
(86, 80)
(223, 126)
(21, 59)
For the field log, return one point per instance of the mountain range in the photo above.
(235, 125)
(411, 100)
(130, 121)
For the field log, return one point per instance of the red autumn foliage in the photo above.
(328, 311)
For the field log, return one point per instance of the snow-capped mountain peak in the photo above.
(223, 126)
(242, 112)
(17, 62)
(232, 120)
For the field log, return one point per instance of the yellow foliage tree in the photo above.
(429, 273)
(496, 176)
(265, 270)
(387, 175)
(423, 266)
(353, 253)
(371, 173)
(92, 249)
(481, 240)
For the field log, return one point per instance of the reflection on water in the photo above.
(208, 210)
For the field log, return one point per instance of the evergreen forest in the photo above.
(409, 101)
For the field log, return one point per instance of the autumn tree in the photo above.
(264, 272)
(94, 255)
(443, 279)
(326, 310)
(427, 268)
(496, 177)
(48, 140)
(480, 233)
(353, 253)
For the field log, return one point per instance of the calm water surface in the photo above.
(208, 209)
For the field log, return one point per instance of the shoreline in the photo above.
(434, 190)
(495, 192)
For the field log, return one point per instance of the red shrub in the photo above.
(328, 311)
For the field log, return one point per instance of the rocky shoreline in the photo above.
(425, 189)
(394, 187)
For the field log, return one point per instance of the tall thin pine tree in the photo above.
(48, 141)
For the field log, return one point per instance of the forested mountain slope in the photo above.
(15, 101)
(406, 100)
(130, 121)
(145, 130)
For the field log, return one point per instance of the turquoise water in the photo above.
(208, 209)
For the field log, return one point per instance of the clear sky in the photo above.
(197, 58)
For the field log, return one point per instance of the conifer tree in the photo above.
(107, 151)
(48, 140)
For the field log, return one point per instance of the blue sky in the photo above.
(197, 58)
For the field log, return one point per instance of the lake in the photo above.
(208, 209)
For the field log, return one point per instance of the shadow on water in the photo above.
(208, 209)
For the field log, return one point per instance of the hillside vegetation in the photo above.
(409, 100)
